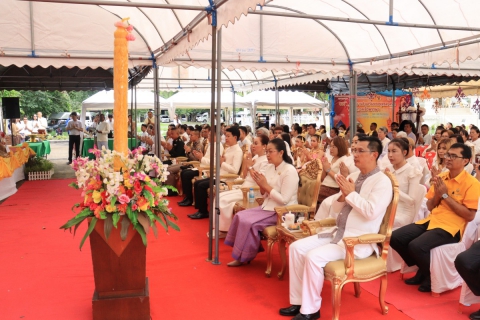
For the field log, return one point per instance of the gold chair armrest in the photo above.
(351, 242)
(314, 225)
(181, 159)
(229, 176)
(371, 238)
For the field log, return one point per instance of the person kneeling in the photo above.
(361, 203)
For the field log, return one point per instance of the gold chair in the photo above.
(341, 272)
(307, 195)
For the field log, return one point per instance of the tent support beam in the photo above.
(362, 21)
(353, 104)
(217, 145)
(32, 30)
(390, 11)
(211, 142)
(156, 102)
(233, 107)
(125, 4)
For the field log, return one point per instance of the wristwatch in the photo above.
(328, 170)
(444, 196)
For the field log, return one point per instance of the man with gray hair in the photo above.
(382, 135)
(262, 130)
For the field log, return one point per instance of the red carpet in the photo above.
(43, 274)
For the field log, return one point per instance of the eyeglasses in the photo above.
(358, 151)
(270, 151)
(452, 156)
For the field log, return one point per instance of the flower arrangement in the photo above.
(127, 26)
(134, 195)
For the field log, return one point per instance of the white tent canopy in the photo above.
(287, 99)
(299, 50)
(104, 100)
(58, 34)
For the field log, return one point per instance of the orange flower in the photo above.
(142, 203)
(122, 208)
(97, 211)
(88, 199)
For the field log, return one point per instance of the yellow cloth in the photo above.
(464, 189)
(18, 157)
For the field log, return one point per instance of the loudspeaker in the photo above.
(11, 108)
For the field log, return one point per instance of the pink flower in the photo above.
(123, 199)
(130, 28)
(130, 37)
(134, 207)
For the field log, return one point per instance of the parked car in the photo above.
(164, 118)
(57, 121)
(205, 117)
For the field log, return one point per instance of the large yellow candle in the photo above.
(120, 87)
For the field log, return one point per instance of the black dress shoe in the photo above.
(198, 215)
(475, 315)
(293, 310)
(416, 280)
(310, 316)
(185, 204)
(426, 286)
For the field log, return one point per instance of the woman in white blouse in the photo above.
(279, 187)
(228, 198)
(408, 178)
(339, 152)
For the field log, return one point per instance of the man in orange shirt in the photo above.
(452, 201)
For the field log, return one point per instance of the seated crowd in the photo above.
(438, 181)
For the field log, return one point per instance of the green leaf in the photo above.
(155, 231)
(124, 229)
(103, 214)
(131, 215)
(141, 232)
(74, 185)
(143, 220)
(148, 196)
(78, 225)
(115, 217)
(173, 225)
(107, 227)
(114, 199)
(89, 230)
(73, 222)
(161, 222)
(76, 205)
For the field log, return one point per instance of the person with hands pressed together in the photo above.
(359, 209)
(329, 187)
(279, 186)
(452, 201)
(230, 163)
(74, 127)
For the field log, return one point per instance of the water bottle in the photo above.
(251, 196)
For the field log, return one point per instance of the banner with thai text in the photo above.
(370, 108)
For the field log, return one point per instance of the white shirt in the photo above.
(105, 128)
(27, 129)
(260, 165)
(284, 181)
(335, 167)
(233, 160)
(408, 178)
(42, 123)
(205, 161)
(421, 165)
(385, 143)
(427, 139)
(143, 135)
(476, 144)
(245, 142)
(75, 127)
(185, 135)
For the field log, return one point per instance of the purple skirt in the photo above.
(244, 233)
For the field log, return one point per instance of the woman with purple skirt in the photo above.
(278, 185)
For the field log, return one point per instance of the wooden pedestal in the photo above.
(122, 308)
(119, 269)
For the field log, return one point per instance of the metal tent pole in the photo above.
(131, 110)
(353, 103)
(136, 118)
(158, 145)
(233, 105)
(277, 116)
(212, 135)
(125, 4)
(393, 100)
(217, 144)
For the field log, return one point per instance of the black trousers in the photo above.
(413, 243)
(73, 140)
(201, 194)
(187, 176)
(468, 266)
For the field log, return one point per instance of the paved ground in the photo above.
(59, 157)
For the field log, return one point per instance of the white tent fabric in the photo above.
(104, 100)
(286, 99)
(55, 34)
(201, 100)
(309, 50)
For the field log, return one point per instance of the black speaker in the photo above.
(11, 108)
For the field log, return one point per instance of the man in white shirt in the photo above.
(243, 140)
(424, 139)
(110, 124)
(27, 128)
(188, 174)
(359, 209)
(149, 119)
(102, 133)
(74, 127)
(230, 163)
(382, 135)
(183, 133)
(42, 122)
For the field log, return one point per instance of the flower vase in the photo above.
(119, 269)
